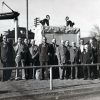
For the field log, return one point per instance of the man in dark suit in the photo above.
(75, 59)
(98, 58)
(53, 58)
(44, 52)
(6, 55)
(27, 58)
(93, 50)
(86, 59)
(68, 69)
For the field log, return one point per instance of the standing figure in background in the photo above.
(53, 58)
(98, 58)
(19, 59)
(44, 52)
(62, 58)
(81, 45)
(93, 50)
(34, 57)
(6, 56)
(68, 69)
(86, 59)
(75, 59)
(27, 58)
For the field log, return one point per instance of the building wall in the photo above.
(71, 34)
(70, 37)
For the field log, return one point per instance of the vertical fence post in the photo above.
(51, 81)
(98, 72)
(76, 72)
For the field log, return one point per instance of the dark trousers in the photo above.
(34, 62)
(68, 70)
(93, 72)
(55, 70)
(28, 71)
(62, 71)
(5, 74)
(86, 72)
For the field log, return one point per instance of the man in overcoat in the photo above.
(6, 56)
(62, 58)
(44, 57)
(54, 58)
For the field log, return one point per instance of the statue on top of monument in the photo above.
(69, 22)
(45, 21)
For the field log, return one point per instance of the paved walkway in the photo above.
(37, 87)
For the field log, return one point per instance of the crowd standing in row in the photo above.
(25, 53)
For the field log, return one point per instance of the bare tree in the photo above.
(95, 32)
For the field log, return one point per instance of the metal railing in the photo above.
(51, 66)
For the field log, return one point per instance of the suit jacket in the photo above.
(53, 49)
(94, 52)
(53, 60)
(98, 52)
(6, 52)
(62, 54)
(26, 52)
(86, 57)
(34, 51)
(19, 50)
(44, 50)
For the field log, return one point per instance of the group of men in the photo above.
(25, 53)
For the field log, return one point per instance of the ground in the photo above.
(62, 89)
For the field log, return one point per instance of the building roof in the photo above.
(21, 33)
(86, 39)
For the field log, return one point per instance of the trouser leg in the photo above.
(4, 72)
(41, 70)
(85, 72)
(89, 73)
(34, 73)
(9, 72)
(23, 70)
(44, 71)
(61, 72)
(72, 71)
(17, 71)
(98, 71)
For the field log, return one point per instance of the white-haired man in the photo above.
(34, 56)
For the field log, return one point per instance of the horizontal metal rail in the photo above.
(48, 66)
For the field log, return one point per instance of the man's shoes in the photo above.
(23, 79)
(17, 78)
(85, 78)
(61, 78)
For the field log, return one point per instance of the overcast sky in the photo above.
(85, 13)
